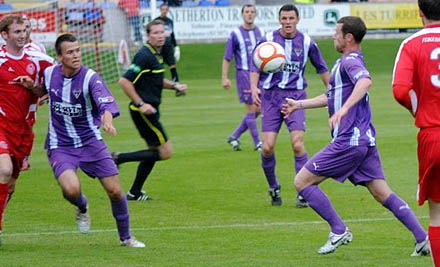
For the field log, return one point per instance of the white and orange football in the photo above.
(269, 57)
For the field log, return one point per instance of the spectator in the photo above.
(131, 9)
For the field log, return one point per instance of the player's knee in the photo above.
(5, 173)
(71, 193)
(166, 151)
(115, 194)
(267, 149)
(298, 183)
(298, 147)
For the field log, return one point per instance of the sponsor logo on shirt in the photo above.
(108, 99)
(292, 67)
(65, 109)
(30, 69)
(11, 69)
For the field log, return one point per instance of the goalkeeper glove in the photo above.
(177, 53)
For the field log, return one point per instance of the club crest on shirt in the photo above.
(298, 51)
(30, 69)
(3, 145)
(76, 92)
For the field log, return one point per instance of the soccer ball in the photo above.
(269, 57)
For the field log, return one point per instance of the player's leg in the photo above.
(143, 171)
(120, 210)
(6, 168)
(434, 230)
(71, 189)
(296, 125)
(268, 163)
(251, 121)
(383, 194)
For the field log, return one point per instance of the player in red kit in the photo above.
(416, 86)
(16, 136)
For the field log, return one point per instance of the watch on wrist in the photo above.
(139, 104)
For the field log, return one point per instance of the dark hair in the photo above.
(164, 4)
(153, 23)
(288, 7)
(355, 26)
(430, 8)
(7, 20)
(248, 5)
(67, 37)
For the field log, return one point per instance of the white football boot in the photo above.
(83, 221)
(334, 241)
(132, 242)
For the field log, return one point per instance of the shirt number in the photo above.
(435, 80)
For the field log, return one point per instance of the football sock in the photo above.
(404, 213)
(251, 122)
(434, 241)
(300, 161)
(142, 173)
(4, 188)
(122, 217)
(241, 128)
(80, 202)
(268, 165)
(141, 155)
(320, 203)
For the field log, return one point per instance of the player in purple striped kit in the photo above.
(240, 46)
(270, 90)
(352, 152)
(80, 103)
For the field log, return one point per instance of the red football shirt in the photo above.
(15, 100)
(417, 68)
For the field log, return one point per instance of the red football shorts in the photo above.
(428, 152)
(17, 145)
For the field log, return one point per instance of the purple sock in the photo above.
(81, 203)
(120, 213)
(268, 165)
(320, 203)
(241, 128)
(251, 122)
(300, 161)
(404, 213)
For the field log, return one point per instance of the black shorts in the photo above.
(149, 126)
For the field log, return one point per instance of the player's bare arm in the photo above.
(28, 83)
(129, 90)
(255, 76)
(291, 105)
(180, 87)
(325, 77)
(359, 91)
(226, 83)
(107, 123)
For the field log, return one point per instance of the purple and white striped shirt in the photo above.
(241, 44)
(355, 128)
(298, 49)
(76, 106)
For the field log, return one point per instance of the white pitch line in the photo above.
(207, 227)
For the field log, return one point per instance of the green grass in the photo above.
(211, 206)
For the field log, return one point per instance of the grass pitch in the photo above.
(211, 205)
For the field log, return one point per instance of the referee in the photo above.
(143, 83)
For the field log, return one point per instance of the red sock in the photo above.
(4, 188)
(434, 240)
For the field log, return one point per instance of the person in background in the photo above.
(240, 46)
(274, 88)
(131, 9)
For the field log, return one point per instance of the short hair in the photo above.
(430, 8)
(247, 5)
(355, 26)
(164, 4)
(153, 23)
(7, 20)
(288, 7)
(67, 37)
